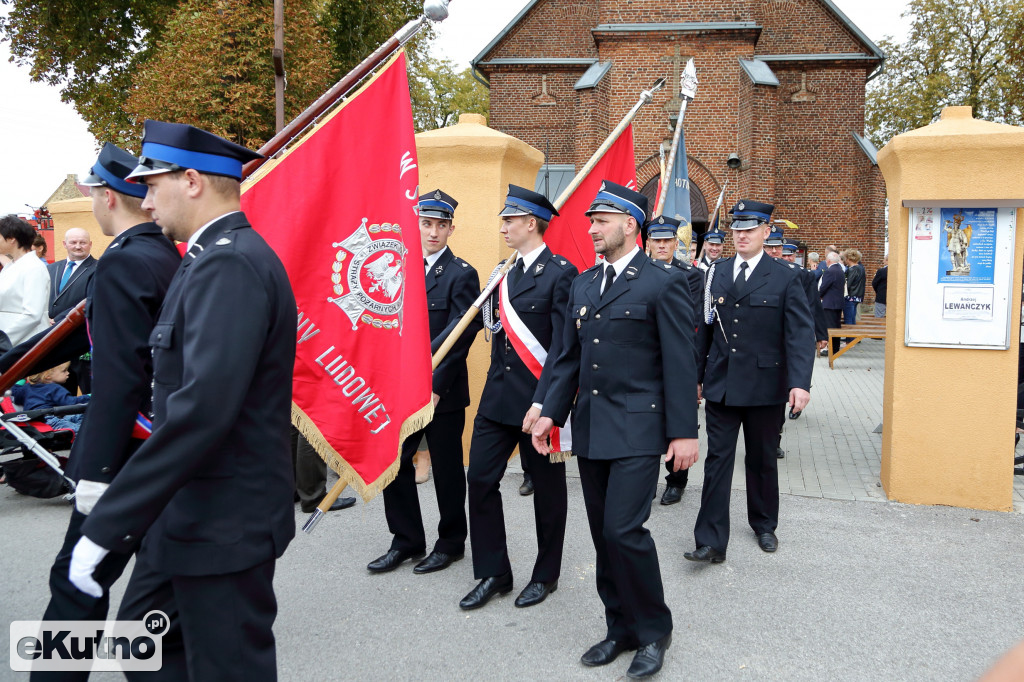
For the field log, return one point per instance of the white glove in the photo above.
(85, 557)
(87, 494)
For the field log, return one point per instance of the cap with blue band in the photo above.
(168, 147)
(663, 227)
(110, 170)
(747, 214)
(436, 204)
(613, 198)
(521, 201)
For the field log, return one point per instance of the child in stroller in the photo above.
(44, 390)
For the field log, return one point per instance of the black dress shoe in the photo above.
(768, 541)
(535, 593)
(392, 560)
(527, 487)
(436, 561)
(340, 503)
(705, 553)
(487, 588)
(649, 659)
(780, 453)
(673, 494)
(603, 653)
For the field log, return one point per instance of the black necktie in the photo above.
(741, 279)
(518, 270)
(609, 277)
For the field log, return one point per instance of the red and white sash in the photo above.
(533, 355)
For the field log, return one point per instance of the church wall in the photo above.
(554, 24)
(801, 27)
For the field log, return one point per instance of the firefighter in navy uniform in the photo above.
(714, 244)
(753, 345)
(627, 370)
(209, 494)
(662, 236)
(123, 299)
(537, 287)
(452, 285)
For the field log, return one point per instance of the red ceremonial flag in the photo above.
(338, 208)
(567, 233)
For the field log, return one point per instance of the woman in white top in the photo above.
(24, 284)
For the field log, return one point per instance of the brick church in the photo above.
(782, 87)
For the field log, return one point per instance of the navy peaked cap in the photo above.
(110, 170)
(747, 214)
(662, 227)
(775, 237)
(715, 236)
(613, 198)
(436, 204)
(521, 201)
(168, 147)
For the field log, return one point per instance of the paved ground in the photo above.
(860, 589)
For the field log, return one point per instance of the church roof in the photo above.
(876, 53)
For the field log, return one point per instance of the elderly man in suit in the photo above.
(69, 281)
(209, 494)
(628, 366)
(830, 290)
(754, 343)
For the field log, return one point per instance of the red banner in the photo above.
(337, 208)
(567, 234)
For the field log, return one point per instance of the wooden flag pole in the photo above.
(57, 333)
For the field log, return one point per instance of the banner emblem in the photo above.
(371, 289)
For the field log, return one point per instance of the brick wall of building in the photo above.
(796, 140)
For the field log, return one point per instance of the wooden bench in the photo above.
(867, 328)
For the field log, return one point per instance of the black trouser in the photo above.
(760, 437)
(617, 493)
(67, 602)
(492, 445)
(833, 320)
(402, 504)
(221, 626)
(310, 472)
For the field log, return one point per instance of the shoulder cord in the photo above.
(491, 325)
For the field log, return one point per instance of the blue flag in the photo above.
(677, 189)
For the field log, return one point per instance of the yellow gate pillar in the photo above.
(475, 164)
(949, 412)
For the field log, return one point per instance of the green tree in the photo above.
(440, 93)
(958, 52)
(215, 57)
(358, 28)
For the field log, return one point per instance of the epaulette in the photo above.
(461, 262)
(559, 260)
(223, 241)
(721, 260)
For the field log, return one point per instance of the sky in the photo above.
(44, 139)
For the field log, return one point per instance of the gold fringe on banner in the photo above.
(417, 421)
(559, 457)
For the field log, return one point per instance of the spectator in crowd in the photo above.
(815, 265)
(39, 246)
(879, 283)
(44, 390)
(856, 279)
(24, 284)
(830, 288)
(69, 283)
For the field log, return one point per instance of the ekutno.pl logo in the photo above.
(70, 645)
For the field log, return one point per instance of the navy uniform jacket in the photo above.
(77, 286)
(124, 297)
(630, 354)
(540, 298)
(757, 347)
(212, 488)
(831, 290)
(452, 287)
(810, 285)
(695, 280)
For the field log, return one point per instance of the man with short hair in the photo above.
(627, 371)
(124, 294)
(452, 285)
(209, 494)
(714, 244)
(69, 280)
(531, 304)
(661, 244)
(754, 343)
(830, 292)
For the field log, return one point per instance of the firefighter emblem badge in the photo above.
(369, 276)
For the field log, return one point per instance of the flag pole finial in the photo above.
(436, 10)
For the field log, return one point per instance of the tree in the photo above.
(357, 28)
(958, 52)
(440, 94)
(215, 57)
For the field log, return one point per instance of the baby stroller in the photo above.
(27, 444)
